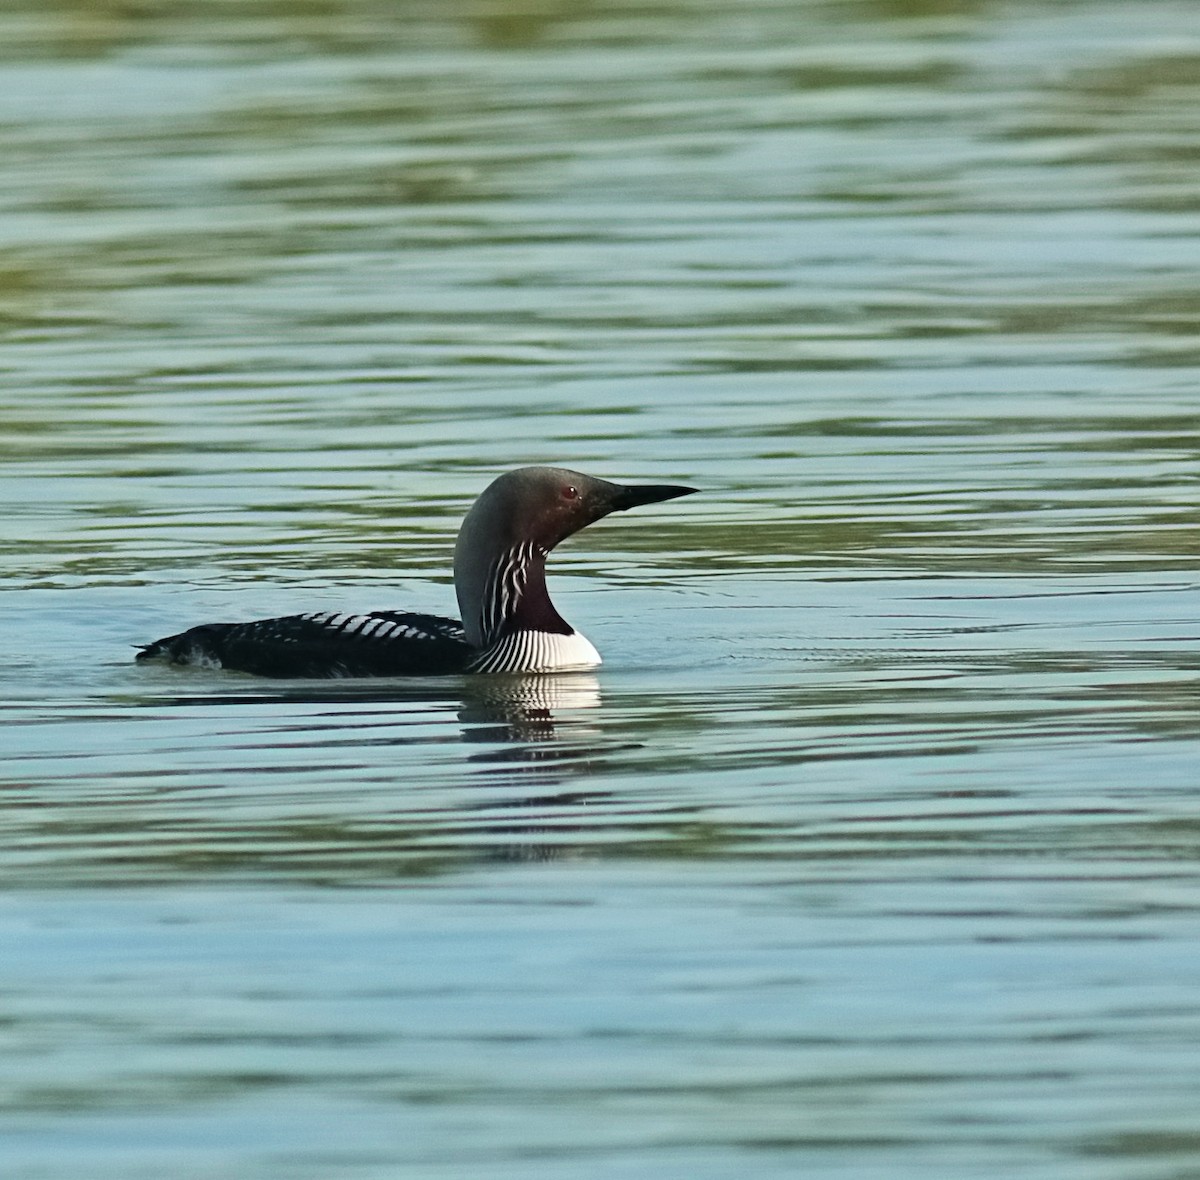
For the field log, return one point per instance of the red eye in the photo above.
(570, 493)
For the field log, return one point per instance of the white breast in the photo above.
(538, 651)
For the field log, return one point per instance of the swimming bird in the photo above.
(508, 622)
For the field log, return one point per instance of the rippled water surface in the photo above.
(871, 850)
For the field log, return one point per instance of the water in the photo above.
(870, 851)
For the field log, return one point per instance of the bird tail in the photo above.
(200, 645)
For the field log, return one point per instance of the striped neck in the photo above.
(519, 627)
(515, 597)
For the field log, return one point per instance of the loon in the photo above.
(508, 622)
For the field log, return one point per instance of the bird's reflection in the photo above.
(544, 751)
(522, 708)
(531, 728)
(520, 720)
(538, 745)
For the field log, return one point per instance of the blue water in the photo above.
(870, 851)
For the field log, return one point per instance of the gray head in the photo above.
(519, 518)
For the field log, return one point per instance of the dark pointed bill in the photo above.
(636, 495)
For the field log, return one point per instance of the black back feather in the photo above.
(381, 643)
